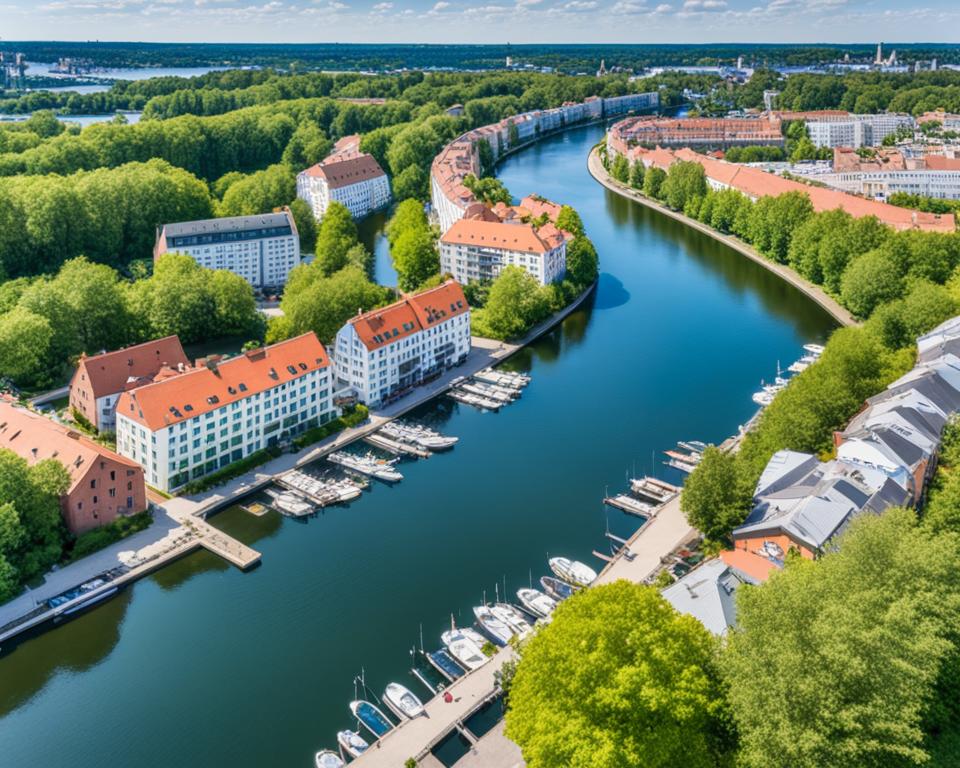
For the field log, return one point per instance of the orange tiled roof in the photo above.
(344, 170)
(207, 388)
(941, 163)
(381, 327)
(109, 372)
(753, 565)
(539, 206)
(511, 237)
(36, 438)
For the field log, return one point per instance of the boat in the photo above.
(327, 758)
(536, 602)
(512, 618)
(626, 503)
(475, 400)
(762, 399)
(290, 503)
(657, 493)
(686, 458)
(464, 650)
(352, 743)
(694, 446)
(106, 594)
(381, 469)
(557, 589)
(572, 571)
(814, 349)
(503, 378)
(418, 435)
(798, 367)
(402, 702)
(445, 664)
(372, 718)
(491, 391)
(496, 628)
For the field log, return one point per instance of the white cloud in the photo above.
(382, 7)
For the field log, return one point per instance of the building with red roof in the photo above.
(347, 176)
(103, 485)
(186, 425)
(99, 379)
(387, 351)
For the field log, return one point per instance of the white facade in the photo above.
(468, 262)
(360, 198)
(378, 369)
(261, 249)
(856, 130)
(882, 184)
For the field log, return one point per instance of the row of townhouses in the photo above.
(884, 458)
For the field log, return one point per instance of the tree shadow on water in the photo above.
(610, 293)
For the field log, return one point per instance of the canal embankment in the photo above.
(785, 273)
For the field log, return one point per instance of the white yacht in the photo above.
(290, 503)
(814, 349)
(402, 702)
(536, 602)
(464, 649)
(352, 743)
(512, 618)
(327, 758)
(573, 571)
(496, 628)
(381, 469)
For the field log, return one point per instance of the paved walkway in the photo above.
(493, 750)
(815, 292)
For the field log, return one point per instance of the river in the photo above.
(202, 665)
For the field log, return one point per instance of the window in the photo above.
(93, 484)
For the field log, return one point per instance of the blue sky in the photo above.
(481, 21)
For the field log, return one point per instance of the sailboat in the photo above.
(372, 718)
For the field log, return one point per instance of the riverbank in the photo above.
(814, 292)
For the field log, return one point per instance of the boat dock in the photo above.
(396, 447)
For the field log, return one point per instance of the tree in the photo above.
(314, 302)
(408, 215)
(685, 181)
(489, 189)
(97, 304)
(653, 181)
(773, 221)
(336, 236)
(619, 678)
(636, 175)
(235, 308)
(176, 300)
(306, 225)
(415, 258)
(307, 146)
(620, 169)
(515, 304)
(259, 192)
(716, 497)
(835, 662)
(25, 340)
(569, 221)
(869, 281)
(582, 261)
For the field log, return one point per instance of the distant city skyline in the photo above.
(480, 21)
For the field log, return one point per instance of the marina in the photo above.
(323, 609)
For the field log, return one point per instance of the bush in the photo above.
(231, 471)
(95, 540)
(357, 415)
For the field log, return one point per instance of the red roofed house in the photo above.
(99, 379)
(389, 350)
(184, 426)
(103, 485)
(347, 176)
(479, 250)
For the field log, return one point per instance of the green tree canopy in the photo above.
(336, 236)
(569, 221)
(515, 303)
(653, 182)
(716, 496)
(582, 261)
(685, 181)
(869, 281)
(619, 678)
(415, 258)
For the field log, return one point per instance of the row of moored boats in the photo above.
(489, 389)
(464, 650)
(764, 396)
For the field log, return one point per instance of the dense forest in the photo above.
(381, 57)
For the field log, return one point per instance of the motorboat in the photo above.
(381, 469)
(573, 571)
(763, 399)
(798, 367)
(327, 758)
(476, 401)
(512, 618)
(371, 717)
(352, 743)
(402, 701)
(345, 491)
(496, 628)
(464, 649)
(419, 435)
(290, 503)
(445, 664)
(536, 602)
(814, 349)
(557, 589)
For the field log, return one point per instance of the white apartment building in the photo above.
(479, 250)
(856, 130)
(354, 179)
(261, 249)
(389, 350)
(880, 185)
(187, 426)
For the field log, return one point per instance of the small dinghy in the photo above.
(445, 664)
(573, 571)
(467, 653)
(512, 618)
(327, 758)
(372, 718)
(352, 743)
(558, 590)
(537, 603)
(495, 627)
(402, 702)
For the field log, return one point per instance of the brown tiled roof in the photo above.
(109, 372)
(207, 388)
(342, 171)
(36, 438)
(381, 327)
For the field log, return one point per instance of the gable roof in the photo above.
(110, 372)
(382, 327)
(708, 593)
(217, 384)
(510, 237)
(35, 438)
(345, 170)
